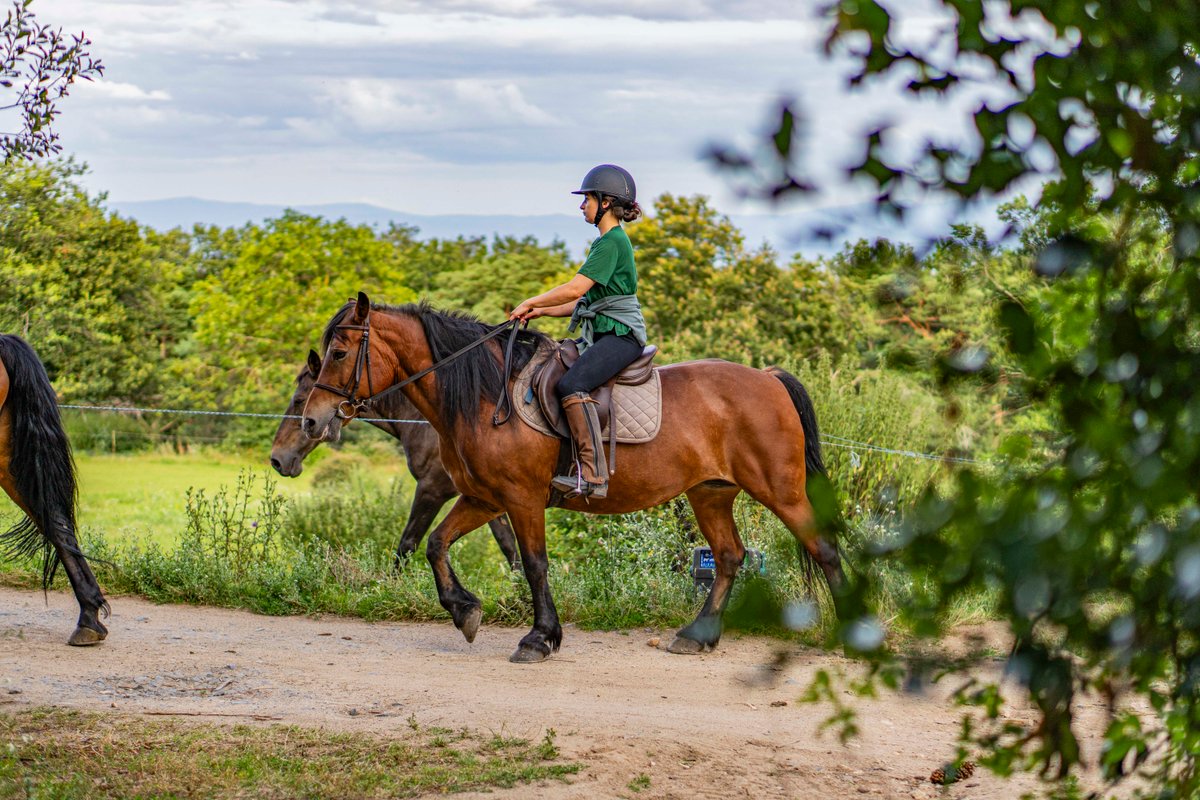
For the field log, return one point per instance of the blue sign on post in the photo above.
(704, 565)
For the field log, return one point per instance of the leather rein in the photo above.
(351, 406)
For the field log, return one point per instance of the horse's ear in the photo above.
(314, 363)
(361, 308)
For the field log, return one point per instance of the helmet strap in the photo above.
(600, 209)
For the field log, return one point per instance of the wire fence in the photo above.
(827, 440)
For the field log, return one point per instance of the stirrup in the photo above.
(567, 484)
(573, 486)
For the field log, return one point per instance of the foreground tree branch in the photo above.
(38, 64)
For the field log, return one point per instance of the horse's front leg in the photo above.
(466, 515)
(546, 636)
(428, 500)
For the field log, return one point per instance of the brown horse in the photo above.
(420, 443)
(38, 473)
(726, 429)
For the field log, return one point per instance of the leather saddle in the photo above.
(547, 376)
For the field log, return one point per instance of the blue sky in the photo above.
(458, 106)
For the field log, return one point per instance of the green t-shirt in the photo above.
(610, 264)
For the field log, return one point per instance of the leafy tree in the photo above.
(680, 246)
(489, 282)
(37, 67)
(706, 295)
(425, 263)
(1093, 553)
(266, 296)
(95, 294)
(920, 310)
(830, 311)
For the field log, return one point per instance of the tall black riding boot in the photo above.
(592, 480)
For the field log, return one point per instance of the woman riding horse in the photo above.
(725, 429)
(603, 296)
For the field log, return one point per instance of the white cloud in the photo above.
(113, 90)
(349, 16)
(338, 102)
(218, 26)
(500, 103)
(390, 106)
(642, 9)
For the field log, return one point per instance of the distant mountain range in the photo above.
(787, 233)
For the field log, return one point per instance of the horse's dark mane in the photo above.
(476, 374)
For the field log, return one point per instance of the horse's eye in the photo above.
(338, 355)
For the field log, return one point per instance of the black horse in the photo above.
(38, 473)
(420, 442)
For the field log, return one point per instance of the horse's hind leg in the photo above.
(89, 629)
(503, 533)
(797, 514)
(713, 506)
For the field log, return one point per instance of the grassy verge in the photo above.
(48, 753)
(142, 495)
(330, 551)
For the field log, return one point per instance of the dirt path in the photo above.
(718, 725)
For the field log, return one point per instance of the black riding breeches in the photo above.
(607, 356)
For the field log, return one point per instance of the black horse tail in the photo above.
(808, 420)
(41, 466)
(818, 487)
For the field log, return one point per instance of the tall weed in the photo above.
(348, 512)
(234, 529)
(858, 410)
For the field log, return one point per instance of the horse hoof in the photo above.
(85, 637)
(470, 625)
(527, 655)
(686, 647)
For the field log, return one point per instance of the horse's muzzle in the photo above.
(331, 431)
(289, 465)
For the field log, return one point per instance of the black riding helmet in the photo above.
(611, 180)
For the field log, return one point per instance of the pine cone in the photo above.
(947, 774)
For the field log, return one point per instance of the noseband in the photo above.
(351, 406)
(361, 360)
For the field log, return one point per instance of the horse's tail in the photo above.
(808, 419)
(41, 466)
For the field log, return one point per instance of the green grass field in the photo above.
(142, 495)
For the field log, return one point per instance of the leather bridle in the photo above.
(362, 360)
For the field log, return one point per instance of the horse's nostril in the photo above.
(276, 465)
(308, 424)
